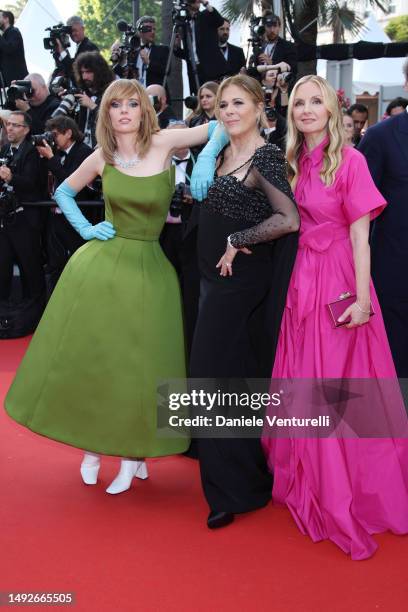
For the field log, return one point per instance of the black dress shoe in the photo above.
(219, 519)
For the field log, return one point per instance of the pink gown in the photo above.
(339, 489)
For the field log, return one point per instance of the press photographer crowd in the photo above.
(48, 129)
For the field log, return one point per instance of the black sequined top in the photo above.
(263, 198)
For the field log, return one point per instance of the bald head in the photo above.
(156, 90)
(159, 92)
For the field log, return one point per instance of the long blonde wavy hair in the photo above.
(123, 89)
(332, 155)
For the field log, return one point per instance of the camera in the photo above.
(180, 12)
(62, 82)
(155, 102)
(37, 139)
(20, 90)
(67, 105)
(127, 51)
(58, 32)
(269, 108)
(176, 204)
(8, 199)
(256, 27)
(130, 37)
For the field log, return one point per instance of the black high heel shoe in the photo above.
(219, 519)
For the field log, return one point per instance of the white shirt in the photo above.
(142, 67)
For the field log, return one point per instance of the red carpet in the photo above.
(149, 549)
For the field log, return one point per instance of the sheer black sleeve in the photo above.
(268, 175)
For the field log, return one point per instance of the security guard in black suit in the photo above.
(20, 227)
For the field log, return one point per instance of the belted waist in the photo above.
(313, 241)
(320, 237)
(136, 237)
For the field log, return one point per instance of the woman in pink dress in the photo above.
(339, 489)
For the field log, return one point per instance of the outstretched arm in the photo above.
(184, 139)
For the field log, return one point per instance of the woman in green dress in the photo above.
(113, 327)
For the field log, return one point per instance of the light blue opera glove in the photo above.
(64, 197)
(203, 173)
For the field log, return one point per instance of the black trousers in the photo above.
(395, 313)
(234, 473)
(20, 243)
(62, 242)
(182, 253)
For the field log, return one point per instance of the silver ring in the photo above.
(228, 265)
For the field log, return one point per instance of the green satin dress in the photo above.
(110, 333)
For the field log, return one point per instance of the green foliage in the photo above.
(100, 18)
(397, 28)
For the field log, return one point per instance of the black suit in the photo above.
(165, 117)
(40, 114)
(234, 62)
(62, 239)
(385, 147)
(12, 60)
(157, 64)
(206, 24)
(283, 51)
(20, 232)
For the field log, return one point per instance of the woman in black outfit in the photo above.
(249, 205)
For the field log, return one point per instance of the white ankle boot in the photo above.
(128, 470)
(89, 468)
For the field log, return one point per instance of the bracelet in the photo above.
(229, 241)
(361, 310)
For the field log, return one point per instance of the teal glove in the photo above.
(64, 197)
(202, 176)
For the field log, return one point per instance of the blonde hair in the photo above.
(122, 89)
(213, 87)
(332, 155)
(251, 86)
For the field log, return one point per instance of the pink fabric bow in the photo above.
(313, 242)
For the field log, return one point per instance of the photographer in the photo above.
(92, 75)
(275, 49)
(164, 112)
(12, 59)
(204, 35)
(20, 227)
(39, 103)
(64, 61)
(62, 160)
(277, 89)
(150, 58)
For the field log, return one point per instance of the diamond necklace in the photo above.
(123, 163)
